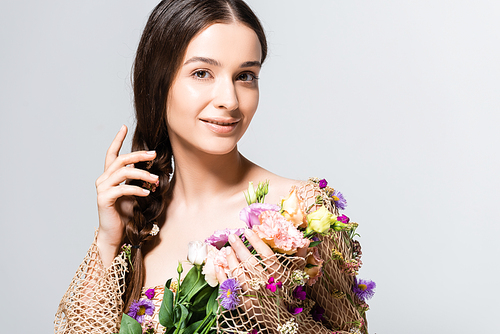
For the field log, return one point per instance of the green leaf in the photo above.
(166, 315)
(200, 300)
(192, 328)
(212, 304)
(180, 316)
(129, 325)
(315, 243)
(192, 284)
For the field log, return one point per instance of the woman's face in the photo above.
(215, 92)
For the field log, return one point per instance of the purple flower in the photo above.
(295, 310)
(229, 293)
(323, 183)
(364, 289)
(253, 331)
(299, 293)
(317, 312)
(339, 200)
(150, 293)
(343, 219)
(140, 308)
(250, 214)
(220, 237)
(273, 286)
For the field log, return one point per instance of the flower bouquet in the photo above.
(283, 292)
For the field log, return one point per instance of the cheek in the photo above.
(249, 102)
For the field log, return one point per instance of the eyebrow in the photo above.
(214, 62)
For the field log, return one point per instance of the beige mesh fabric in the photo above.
(157, 300)
(332, 294)
(260, 309)
(92, 303)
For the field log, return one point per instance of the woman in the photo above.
(196, 91)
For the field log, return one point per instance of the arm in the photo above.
(93, 302)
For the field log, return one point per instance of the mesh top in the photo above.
(93, 302)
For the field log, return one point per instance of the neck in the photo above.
(201, 176)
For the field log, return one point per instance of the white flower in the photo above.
(299, 277)
(256, 283)
(290, 327)
(154, 230)
(197, 252)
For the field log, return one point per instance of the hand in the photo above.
(239, 253)
(114, 201)
(243, 264)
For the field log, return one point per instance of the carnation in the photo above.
(280, 234)
(215, 257)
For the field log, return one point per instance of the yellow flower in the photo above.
(319, 221)
(293, 209)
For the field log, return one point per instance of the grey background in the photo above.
(396, 103)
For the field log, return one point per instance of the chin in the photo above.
(219, 146)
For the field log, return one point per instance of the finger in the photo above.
(123, 174)
(108, 198)
(265, 252)
(116, 145)
(242, 252)
(220, 274)
(235, 269)
(126, 160)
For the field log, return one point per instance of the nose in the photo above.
(225, 96)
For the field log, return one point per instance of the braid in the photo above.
(146, 212)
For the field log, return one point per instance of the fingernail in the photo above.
(122, 128)
(232, 238)
(228, 250)
(154, 176)
(145, 190)
(151, 152)
(217, 269)
(249, 233)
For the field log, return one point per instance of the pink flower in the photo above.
(343, 219)
(273, 286)
(250, 214)
(220, 237)
(279, 233)
(150, 293)
(215, 257)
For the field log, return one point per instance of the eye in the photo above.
(202, 74)
(247, 77)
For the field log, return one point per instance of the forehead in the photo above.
(232, 43)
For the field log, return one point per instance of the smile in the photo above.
(219, 123)
(221, 126)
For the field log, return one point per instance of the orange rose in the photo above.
(293, 209)
(313, 265)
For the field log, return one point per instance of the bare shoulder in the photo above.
(279, 187)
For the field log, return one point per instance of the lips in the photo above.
(219, 123)
(223, 123)
(221, 126)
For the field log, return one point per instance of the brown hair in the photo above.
(170, 28)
